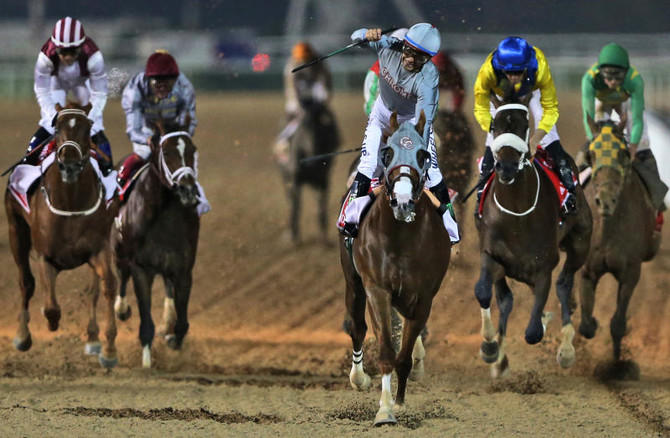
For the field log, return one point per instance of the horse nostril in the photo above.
(394, 202)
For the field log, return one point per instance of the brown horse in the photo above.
(316, 134)
(156, 232)
(623, 237)
(68, 226)
(397, 262)
(520, 236)
(455, 151)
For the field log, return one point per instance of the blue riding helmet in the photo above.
(513, 54)
(424, 37)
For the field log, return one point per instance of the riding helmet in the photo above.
(424, 37)
(615, 55)
(161, 63)
(513, 54)
(68, 32)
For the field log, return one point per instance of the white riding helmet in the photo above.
(424, 37)
(68, 32)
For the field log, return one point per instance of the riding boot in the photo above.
(565, 174)
(647, 169)
(39, 138)
(105, 158)
(359, 188)
(128, 168)
(484, 174)
(446, 211)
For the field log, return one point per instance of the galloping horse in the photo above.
(68, 225)
(398, 261)
(623, 237)
(316, 134)
(520, 236)
(156, 232)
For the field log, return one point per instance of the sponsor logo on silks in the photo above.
(406, 143)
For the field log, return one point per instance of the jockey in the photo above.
(70, 61)
(408, 85)
(160, 91)
(305, 90)
(613, 84)
(371, 82)
(515, 63)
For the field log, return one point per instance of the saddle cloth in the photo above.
(24, 176)
(543, 160)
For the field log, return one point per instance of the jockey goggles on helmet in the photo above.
(71, 51)
(419, 56)
(611, 72)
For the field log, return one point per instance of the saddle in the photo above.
(124, 191)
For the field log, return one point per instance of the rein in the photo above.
(537, 196)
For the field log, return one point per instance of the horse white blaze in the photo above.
(181, 147)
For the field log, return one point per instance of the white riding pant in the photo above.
(535, 108)
(378, 122)
(606, 112)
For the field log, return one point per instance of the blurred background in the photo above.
(237, 45)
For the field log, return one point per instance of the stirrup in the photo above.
(349, 230)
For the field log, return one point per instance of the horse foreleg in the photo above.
(295, 202)
(627, 283)
(564, 285)
(103, 265)
(51, 309)
(488, 351)
(121, 307)
(356, 327)
(142, 282)
(182, 293)
(588, 324)
(93, 345)
(505, 301)
(20, 244)
(535, 329)
(405, 360)
(418, 354)
(166, 328)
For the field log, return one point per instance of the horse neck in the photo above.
(522, 191)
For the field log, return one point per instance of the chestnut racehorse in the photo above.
(68, 226)
(397, 262)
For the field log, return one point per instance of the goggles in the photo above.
(613, 73)
(514, 72)
(162, 80)
(71, 51)
(418, 56)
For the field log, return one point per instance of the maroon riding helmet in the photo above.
(162, 64)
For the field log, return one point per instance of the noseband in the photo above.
(171, 177)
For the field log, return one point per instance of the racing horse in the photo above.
(317, 134)
(624, 235)
(156, 232)
(397, 262)
(520, 234)
(67, 226)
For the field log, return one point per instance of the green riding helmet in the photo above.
(615, 55)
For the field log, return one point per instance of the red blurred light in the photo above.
(260, 62)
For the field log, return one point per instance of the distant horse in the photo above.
(398, 261)
(156, 232)
(316, 134)
(520, 237)
(68, 226)
(623, 237)
(455, 151)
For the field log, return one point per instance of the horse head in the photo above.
(610, 159)
(175, 158)
(510, 137)
(72, 130)
(405, 160)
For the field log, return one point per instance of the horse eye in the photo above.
(387, 157)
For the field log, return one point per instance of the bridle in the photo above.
(172, 178)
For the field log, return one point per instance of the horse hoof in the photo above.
(489, 351)
(385, 416)
(417, 372)
(588, 327)
(125, 315)
(146, 357)
(172, 342)
(566, 357)
(23, 345)
(360, 382)
(92, 348)
(501, 369)
(108, 363)
(53, 317)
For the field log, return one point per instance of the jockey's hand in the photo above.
(536, 138)
(373, 34)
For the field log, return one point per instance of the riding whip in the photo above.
(318, 157)
(314, 61)
(34, 151)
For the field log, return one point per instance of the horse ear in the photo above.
(494, 100)
(187, 122)
(393, 122)
(160, 125)
(624, 158)
(422, 123)
(526, 99)
(59, 108)
(87, 108)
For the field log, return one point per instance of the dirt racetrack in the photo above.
(265, 354)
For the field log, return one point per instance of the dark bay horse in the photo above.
(156, 232)
(68, 226)
(623, 235)
(397, 262)
(316, 134)
(520, 237)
